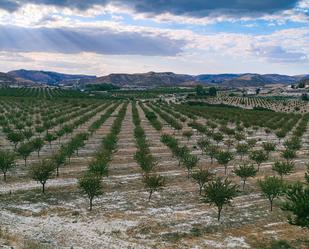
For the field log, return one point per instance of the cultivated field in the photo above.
(125, 143)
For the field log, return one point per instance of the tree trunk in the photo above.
(43, 187)
(219, 213)
(271, 205)
(201, 188)
(25, 161)
(225, 169)
(4, 176)
(243, 185)
(150, 194)
(57, 171)
(38, 153)
(90, 203)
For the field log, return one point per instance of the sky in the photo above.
(99, 37)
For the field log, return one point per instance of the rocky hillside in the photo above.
(144, 79)
(50, 78)
(6, 79)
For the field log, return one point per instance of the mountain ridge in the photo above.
(154, 79)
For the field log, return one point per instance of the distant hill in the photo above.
(172, 79)
(153, 79)
(144, 79)
(6, 79)
(45, 77)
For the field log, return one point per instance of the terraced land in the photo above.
(147, 137)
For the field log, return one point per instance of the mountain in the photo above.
(144, 79)
(45, 77)
(215, 78)
(153, 79)
(6, 79)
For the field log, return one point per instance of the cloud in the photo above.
(194, 8)
(278, 54)
(72, 41)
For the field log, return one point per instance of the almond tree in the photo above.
(283, 168)
(25, 150)
(58, 159)
(269, 147)
(153, 183)
(190, 161)
(41, 172)
(307, 174)
(37, 145)
(297, 203)
(259, 156)
(223, 158)
(244, 172)
(201, 177)
(7, 162)
(271, 187)
(220, 192)
(242, 149)
(91, 185)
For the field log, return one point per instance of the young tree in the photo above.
(288, 154)
(7, 162)
(244, 172)
(201, 177)
(269, 147)
(218, 137)
(242, 149)
(258, 156)
(297, 202)
(220, 192)
(49, 138)
(272, 187)
(25, 150)
(190, 161)
(307, 174)
(251, 142)
(37, 145)
(15, 138)
(58, 159)
(203, 143)
(211, 151)
(153, 183)
(41, 172)
(223, 158)
(283, 168)
(91, 185)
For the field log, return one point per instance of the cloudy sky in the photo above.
(184, 36)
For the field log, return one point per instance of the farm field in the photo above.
(285, 105)
(145, 157)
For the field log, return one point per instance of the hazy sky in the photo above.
(184, 36)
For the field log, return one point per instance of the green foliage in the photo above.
(245, 171)
(220, 192)
(25, 150)
(242, 149)
(153, 183)
(283, 168)
(102, 87)
(91, 185)
(297, 202)
(37, 145)
(271, 187)
(258, 156)
(41, 172)
(201, 177)
(223, 158)
(7, 162)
